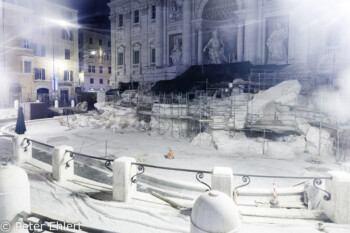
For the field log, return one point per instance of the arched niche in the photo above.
(224, 17)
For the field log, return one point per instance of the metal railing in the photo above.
(317, 181)
(37, 142)
(199, 173)
(246, 178)
(108, 162)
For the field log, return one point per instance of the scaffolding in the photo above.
(185, 115)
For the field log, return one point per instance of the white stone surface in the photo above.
(14, 196)
(101, 96)
(123, 188)
(279, 150)
(203, 139)
(16, 104)
(313, 138)
(61, 172)
(72, 103)
(284, 94)
(222, 180)
(213, 212)
(338, 208)
(21, 150)
(346, 167)
(56, 103)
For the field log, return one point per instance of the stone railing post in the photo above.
(14, 198)
(22, 148)
(61, 171)
(222, 180)
(214, 211)
(338, 208)
(123, 187)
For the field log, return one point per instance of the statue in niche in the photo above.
(216, 49)
(175, 10)
(277, 47)
(176, 53)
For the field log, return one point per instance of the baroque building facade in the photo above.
(159, 39)
(94, 60)
(39, 52)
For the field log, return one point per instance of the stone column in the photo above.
(113, 21)
(240, 44)
(186, 37)
(159, 33)
(198, 25)
(250, 34)
(298, 35)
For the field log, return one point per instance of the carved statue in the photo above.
(175, 10)
(216, 49)
(176, 53)
(276, 44)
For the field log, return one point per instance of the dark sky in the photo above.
(92, 13)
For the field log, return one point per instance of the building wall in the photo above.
(29, 24)
(102, 58)
(250, 30)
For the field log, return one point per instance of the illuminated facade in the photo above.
(159, 39)
(94, 60)
(39, 51)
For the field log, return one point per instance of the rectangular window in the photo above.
(89, 69)
(136, 57)
(121, 20)
(136, 16)
(153, 55)
(101, 69)
(120, 59)
(67, 54)
(108, 56)
(39, 74)
(27, 65)
(91, 81)
(101, 81)
(154, 14)
(109, 43)
(67, 34)
(25, 43)
(109, 70)
(93, 69)
(91, 41)
(100, 42)
(68, 75)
